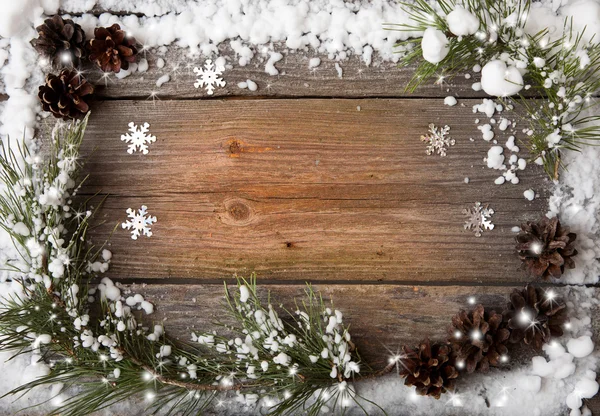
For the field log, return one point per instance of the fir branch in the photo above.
(562, 70)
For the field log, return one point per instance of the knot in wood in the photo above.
(238, 212)
(235, 147)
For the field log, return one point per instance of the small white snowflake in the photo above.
(209, 77)
(137, 138)
(437, 140)
(139, 223)
(478, 218)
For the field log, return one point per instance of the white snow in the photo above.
(461, 22)
(270, 66)
(244, 293)
(314, 62)
(495, 157)
(450, 101)
(339, 70)
(529, 194)
(251, 85)
(580, 347)
(434, 45)
(500, 80)
(162, 80)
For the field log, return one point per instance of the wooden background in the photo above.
(312, 178)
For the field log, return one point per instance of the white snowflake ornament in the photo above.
(137, 138)
(209, 77)
(437, 140)
(139, 223)
(478, 218)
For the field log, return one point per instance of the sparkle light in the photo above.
(504, 358)
(550, 294)
(460, 364)
(455, 399)
(105, 76)
(65, 57)
(146, 376)
(524, 317)
(476, 335)
(568, 325)
(472, 300)
(150, 395)
(536, 248)
(103, 357)
(457, 334)
(104, 380)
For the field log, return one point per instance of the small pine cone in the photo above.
(478, 339)
(430, 368)
(534, 315)
(111, 49)
(546, 248)
(63, 95)
(61, 41)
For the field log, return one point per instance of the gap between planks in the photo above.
(275, 282)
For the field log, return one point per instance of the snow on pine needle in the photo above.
(307, 353)
(438, 140)
(209, 77)
(139, 223)
(478, 218)
(137, 139)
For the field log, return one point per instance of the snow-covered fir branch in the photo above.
(495, 38)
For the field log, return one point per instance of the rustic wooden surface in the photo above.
(304, 189)
(295, 79)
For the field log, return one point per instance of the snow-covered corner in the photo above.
(576, 200)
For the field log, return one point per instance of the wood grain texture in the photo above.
(295, 79)
(304, 189)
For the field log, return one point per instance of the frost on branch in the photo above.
(139, 223)
(137, 138)
(209, 77)
(310, 343)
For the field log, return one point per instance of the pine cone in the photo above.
(61, 41)
(111, 49)
(534, 315)
(429, 368)
(545, 248)
(63, 95)
(478, 339)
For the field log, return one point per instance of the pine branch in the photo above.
(562, 71)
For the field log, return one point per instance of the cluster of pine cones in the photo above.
(479, 339)
(63, 42)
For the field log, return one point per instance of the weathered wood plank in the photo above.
(304, 189)
(295, 79)
(382, 318)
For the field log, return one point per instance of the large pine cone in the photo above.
(478, 339)
(534, 315)
(61, 41)
(546, 248)
(111, 49)
(63, 95)
(430, 368)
